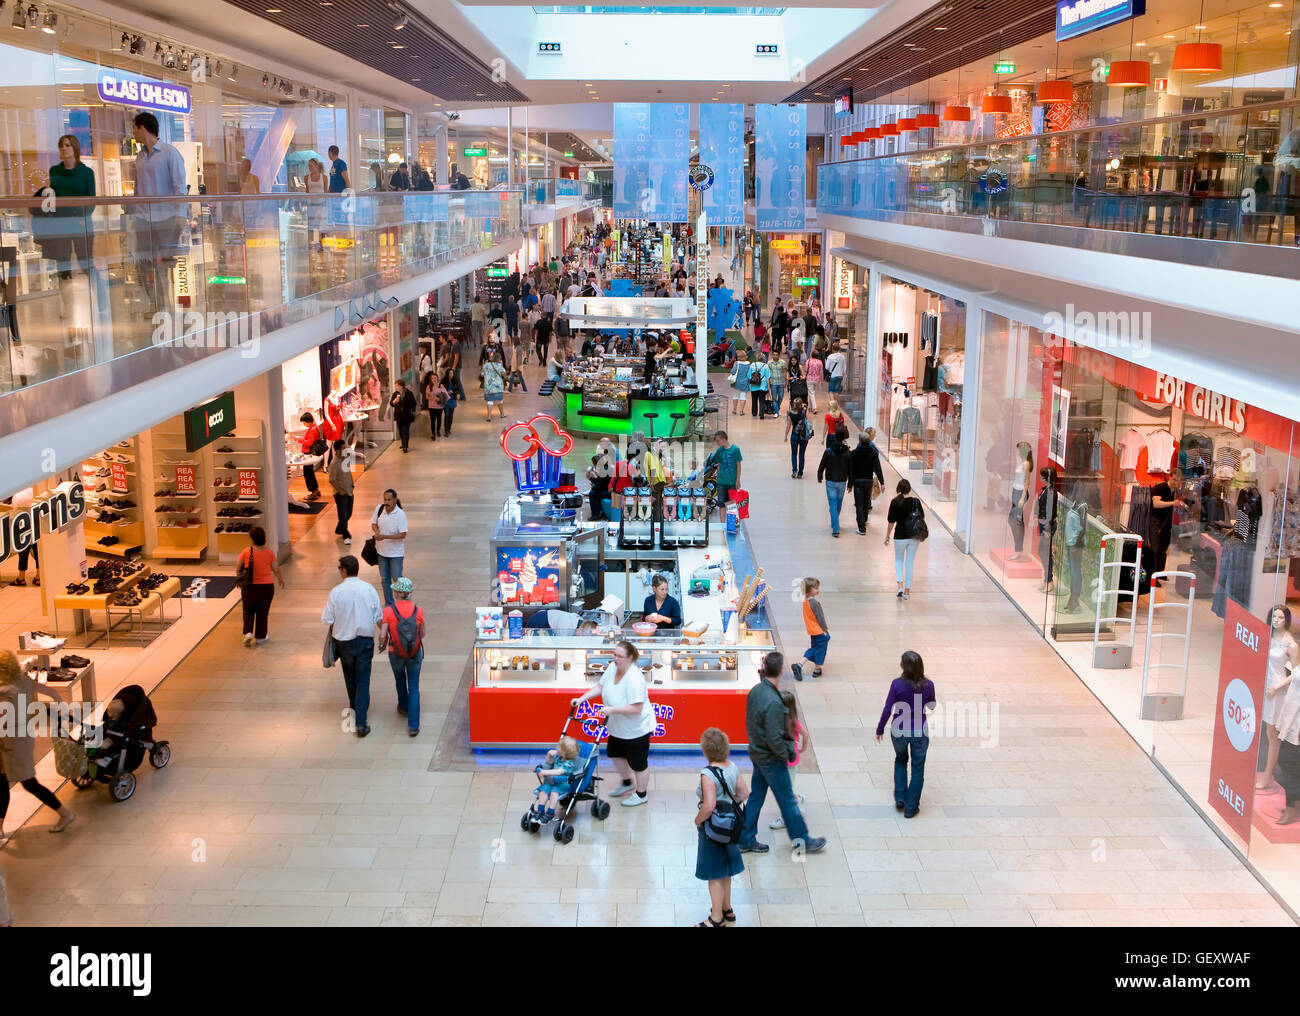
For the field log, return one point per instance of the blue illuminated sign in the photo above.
(129, 90)
(1079, 17)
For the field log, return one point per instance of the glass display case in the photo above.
(545, 557)
(606, 397)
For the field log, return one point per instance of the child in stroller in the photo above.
(127, 735)
(558, 780)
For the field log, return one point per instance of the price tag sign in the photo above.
(248, 483)
(119, 477)
(185, 482)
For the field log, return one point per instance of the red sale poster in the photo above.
(1236, 723)
(248, 483)
(118, 470)
(185, 483)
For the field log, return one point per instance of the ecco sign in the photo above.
(212, 420)
(23, 529)
(127, 90)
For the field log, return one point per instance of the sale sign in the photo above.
(248, 483)
(118, 470)
(185, 482)
(1240, 699)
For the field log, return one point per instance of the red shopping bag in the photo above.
(741, 500)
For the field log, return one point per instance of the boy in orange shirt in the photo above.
(814, 622)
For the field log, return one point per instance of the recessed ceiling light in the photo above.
(363, 26)
(1275, 5)
(941, 28)
(1139, 44)
(397, 45)
(1199, 28)
(275, 10)
(864, 68)
(846, 79)
(1171, 36)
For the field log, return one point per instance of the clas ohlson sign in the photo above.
(132, 90)
(1079, 17)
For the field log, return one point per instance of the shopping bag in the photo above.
(330, 651)
(369, 554)
(741, 500)
(69, 758)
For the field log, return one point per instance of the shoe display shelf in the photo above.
(117, 470)
(180, 519)
(239, 467)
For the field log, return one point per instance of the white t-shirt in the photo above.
(623, 693)
(390, 524)
(835, 365)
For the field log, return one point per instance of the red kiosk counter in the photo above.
(522, 687)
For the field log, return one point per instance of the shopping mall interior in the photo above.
(518, 311)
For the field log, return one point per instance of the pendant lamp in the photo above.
(907, 125)
(998, 105)
(957, 114)
(927, 119)
(888, 129)
(1056, 90)
(1129, 73)
(1198, 57)
(871, 134)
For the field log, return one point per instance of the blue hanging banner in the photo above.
(722, 149)
(652, 144)
(780, 164)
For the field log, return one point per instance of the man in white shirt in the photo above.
(835, 369)
(548, 306)
(354, 614)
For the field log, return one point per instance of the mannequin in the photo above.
(1048, 500)
(1020, 498)
(1279, 702)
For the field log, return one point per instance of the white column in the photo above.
(968, 437)
(442, 155)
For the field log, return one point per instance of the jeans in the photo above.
(390, 568)
(447, 414)
(406, 672)
(905, 793)
(797, 451)
(777, 776)
(354, 656)
(404, 433)
(1076, 574)
(256, 599)
(757, 402)
(778, 394)
(834, 384)
(862, 501)
(835, 499)
(435, 422)
(1016, 519)
(904, 559)
(343, 504)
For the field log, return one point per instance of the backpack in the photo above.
(727, 822)
(804, 431)
(407, 644)
(916, 526)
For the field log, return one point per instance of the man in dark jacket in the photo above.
(866, 464)
(835, 468)
(771, 750)
(403, 403)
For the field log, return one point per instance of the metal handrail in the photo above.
(107, 201)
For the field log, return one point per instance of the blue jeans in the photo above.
(406, 672)
(904, 559)
(777, 776)
(778, 393)
(834, 384)
(835, 498)
(354, 656)
(390, 568)
(905, 793)
(798, 449)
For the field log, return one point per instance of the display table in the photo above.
(83, 676)
(83, 604)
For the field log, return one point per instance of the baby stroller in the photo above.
(584, 789)
(127, 730)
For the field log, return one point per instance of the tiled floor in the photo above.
(1038, 808)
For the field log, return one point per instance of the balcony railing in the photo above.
(1230, 175)
(89, 281)
(561, 191)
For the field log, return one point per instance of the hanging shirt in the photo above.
(1160, 446)
(1130, 447)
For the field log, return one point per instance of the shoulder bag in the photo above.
(330, 651)
(727, 822)
(244, 570)
(916, 526)
(368, 552)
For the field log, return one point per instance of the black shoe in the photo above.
(755, 848)
(797, 670)
(898, 805)
(401, 711)
(814, 844)
(362, 731)
(862, 532)
(913, 814)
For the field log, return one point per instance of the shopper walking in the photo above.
(403, 405)
(800, 737)
(435, 400)
(835, 367)
(18, 691)
(740, 383)
(760, 376)
(477, 318)
(449, 408)
(798, 431)
(728, 459)
(771, 750)
(906, 516)
(388, 526)
(494, 386)
(629, 720)
(814, 623)
(402, 634)
(542, 337)
(341, 482)
(258, 573)
(69, 231)
(813, 372)
(834, 420)
(865, 476)
(911, 696)
(717, 863)
(313, 447)
(776, 383)
(835, 468)
(353, 613)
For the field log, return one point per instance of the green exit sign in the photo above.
(1004, 67)
(809, 281)
(226, 280)
(568, 155)
(472, 153)
(497, 273)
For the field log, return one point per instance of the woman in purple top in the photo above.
(910, 696)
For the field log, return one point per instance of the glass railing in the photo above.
(562, 191)
(1225, 175)
(88, 281)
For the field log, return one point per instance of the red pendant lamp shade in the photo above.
(956, 114)
(999, 105)
(907, 125)
(889, 130)
(1129, 74)
(927, 119)
(846, 141)
(871, 134)
(1198, 56)
(1055, 91)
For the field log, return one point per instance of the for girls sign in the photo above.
(128, 90)
(593, 725)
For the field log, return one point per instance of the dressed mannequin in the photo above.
(1281, 704)
(1020, 498)
(1048, 501)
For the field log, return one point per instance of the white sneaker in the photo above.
(621, 789)
(632, 800)
(248, 638)
(777, 823)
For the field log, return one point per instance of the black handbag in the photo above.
(727, 822)
(368, 552)
(244, 573)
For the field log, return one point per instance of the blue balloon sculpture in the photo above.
(724, 311)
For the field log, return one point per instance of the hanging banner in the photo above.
(652, 144)
(722, 149)
(780, 164)
(1235, 749)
